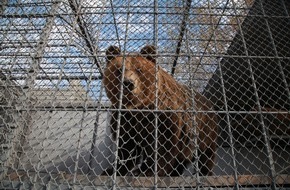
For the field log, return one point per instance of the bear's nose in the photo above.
(128, 84)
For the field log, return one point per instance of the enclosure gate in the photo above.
(56, 114)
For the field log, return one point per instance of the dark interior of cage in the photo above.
(252, 59)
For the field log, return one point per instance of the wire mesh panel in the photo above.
(144, 94)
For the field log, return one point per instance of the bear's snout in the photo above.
(128, 85)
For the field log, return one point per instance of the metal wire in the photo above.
(55, 119)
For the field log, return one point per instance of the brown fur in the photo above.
(146, 85)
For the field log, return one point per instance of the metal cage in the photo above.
(56, 117)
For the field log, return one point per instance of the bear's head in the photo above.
(131, 78)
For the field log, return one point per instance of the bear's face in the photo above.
(133, 75)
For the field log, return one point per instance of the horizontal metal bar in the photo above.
(28, 4)
(171, 22)
(130, 181)
(4, 55)
(55, 78)
(45, 15)
(168, 7)
(7, 43)
(91, 107)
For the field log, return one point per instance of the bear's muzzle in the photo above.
(128, 86)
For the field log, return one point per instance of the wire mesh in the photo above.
(74, 114)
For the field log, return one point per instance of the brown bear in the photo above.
(153, 118)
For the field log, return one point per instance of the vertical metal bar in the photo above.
(275, 49)
(18, 134)
(115, 23)
(95, 133)
(181, 34)
(91, 157)
(194, 111)
(230, 133)
(76, 8)
(3, 5)
(98, 112)
(271, 160)
(79, 144)
(155, 25)
(35, 67)
(264, 129)
(211, 36)
(285, 9)
(155, 37)
(41, 150)
(120, 99)
(43, 40)
(229, 128)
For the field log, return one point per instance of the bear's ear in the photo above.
(112, 51)
(149, 52)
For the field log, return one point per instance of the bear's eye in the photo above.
(118, 71)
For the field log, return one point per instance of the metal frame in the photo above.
(32, 57)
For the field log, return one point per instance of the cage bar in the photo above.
(56, 113)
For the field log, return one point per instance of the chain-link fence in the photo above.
(144, 94)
